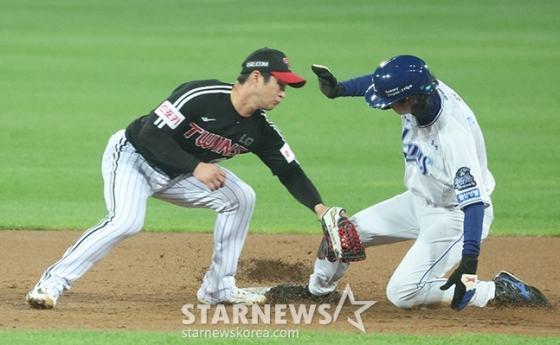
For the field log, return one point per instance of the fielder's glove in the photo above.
(464, 278)
(341, 240)
(328, 84)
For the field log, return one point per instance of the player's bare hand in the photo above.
(211, 175)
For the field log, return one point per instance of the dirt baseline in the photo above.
(146, 280)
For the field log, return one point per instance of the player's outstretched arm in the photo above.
(332, 88)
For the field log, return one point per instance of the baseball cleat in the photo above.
(512, 292)
(240, 296)
(41, 298)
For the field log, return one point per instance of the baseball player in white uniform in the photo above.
(447, 208)
(172, 154)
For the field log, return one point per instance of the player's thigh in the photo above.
(436, 250)
(190, 192)
(127, 182)
(392, 220)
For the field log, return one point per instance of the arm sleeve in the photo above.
(162, 146)
(357, 86)
(472, 228)
(301, 188)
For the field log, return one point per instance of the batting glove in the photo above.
(328, 84)
(464, 278)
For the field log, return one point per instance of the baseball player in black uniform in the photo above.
(172, 154)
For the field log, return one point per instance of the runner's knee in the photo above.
(399, 295)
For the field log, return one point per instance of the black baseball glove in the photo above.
(464, 278)
(328, 84)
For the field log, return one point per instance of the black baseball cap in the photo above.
(274, 62)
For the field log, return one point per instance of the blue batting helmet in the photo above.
(397, 78)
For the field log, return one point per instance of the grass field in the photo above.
(72, 73)
(309, 338)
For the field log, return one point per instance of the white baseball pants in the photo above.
(438, 236)
(129, 181)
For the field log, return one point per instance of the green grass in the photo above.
(309, 338)
(74, 72)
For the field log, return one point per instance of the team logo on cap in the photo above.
(257, 64)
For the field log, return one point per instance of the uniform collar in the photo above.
(429, 118)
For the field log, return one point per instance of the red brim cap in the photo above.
(289, 78)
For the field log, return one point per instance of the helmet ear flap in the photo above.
(370, 94)
(371, 99)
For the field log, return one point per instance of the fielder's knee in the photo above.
(245, 199)
(124, 226)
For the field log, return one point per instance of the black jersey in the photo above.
(202, 121)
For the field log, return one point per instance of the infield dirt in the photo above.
(145, 281)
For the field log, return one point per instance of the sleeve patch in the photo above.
(287, 152)
(169, 114)
(472, 194)
(463, 179)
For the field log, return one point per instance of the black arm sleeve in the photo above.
(301, 188)
(164, 152)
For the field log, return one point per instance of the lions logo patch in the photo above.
(463, 179)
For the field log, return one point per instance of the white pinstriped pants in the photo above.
(129, 181)
(438, 236)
